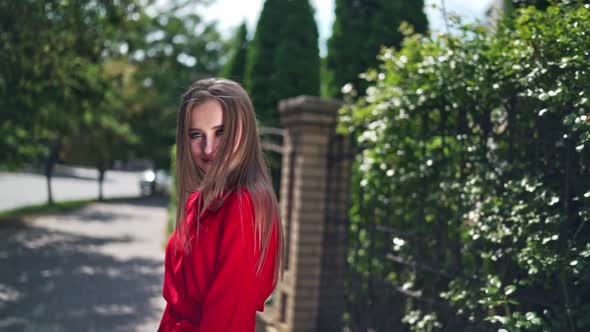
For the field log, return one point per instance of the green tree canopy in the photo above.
(297, 61)
(360, 29)
(173, 51)
(51, 69)
(52, 76)
(84, 80)
(283, 60)
(235, 68)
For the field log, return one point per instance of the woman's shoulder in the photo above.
(190, 202)
(239, 199)
(192, 198)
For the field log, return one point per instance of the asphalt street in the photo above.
(98, 268)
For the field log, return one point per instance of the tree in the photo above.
(173, 51)
(51, 72)
(55, 85)
(297, 61)
(360, 29)
(283, 60)
(105, 135)
(260, 68)
(235, 68)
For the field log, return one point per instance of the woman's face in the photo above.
(205, 132)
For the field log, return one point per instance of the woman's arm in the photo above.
(173, 290)
(229, 304)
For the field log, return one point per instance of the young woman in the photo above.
(222, 261)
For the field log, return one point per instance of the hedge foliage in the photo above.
(472, 201)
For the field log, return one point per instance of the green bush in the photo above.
(173, 194)
(473, 193)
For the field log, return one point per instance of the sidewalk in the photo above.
(99, 268)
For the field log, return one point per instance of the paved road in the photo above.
(22, 189)
(99, 268)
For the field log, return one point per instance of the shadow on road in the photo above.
(106, 215)
(59, 281)
(151, 201)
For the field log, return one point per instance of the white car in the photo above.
(155, 182)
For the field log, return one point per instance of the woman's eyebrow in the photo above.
(214, 128)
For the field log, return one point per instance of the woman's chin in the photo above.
(205, 167)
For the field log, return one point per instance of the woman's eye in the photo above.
(219, 132)
(195, 135)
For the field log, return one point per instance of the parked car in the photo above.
(155, 182)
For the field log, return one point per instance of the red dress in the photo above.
(215, 288)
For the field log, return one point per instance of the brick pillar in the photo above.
(314, 201)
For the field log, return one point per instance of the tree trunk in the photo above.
(50, 162)
(49, 193)
(101, 172)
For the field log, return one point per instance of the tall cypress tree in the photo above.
(235, 68)
(260, 65)
(283, 60)
(360, 28)
(297, 60)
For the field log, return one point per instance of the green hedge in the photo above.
(173, 195)
(472, 193)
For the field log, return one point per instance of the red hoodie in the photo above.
(215, 288)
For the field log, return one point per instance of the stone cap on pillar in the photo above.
(309, 110)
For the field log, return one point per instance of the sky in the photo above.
(230, 13)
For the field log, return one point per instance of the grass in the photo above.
(16, 216)
(44, 208)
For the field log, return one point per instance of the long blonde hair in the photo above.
(239, 163)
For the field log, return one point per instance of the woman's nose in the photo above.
(209, 147)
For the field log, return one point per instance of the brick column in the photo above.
(314, 201)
